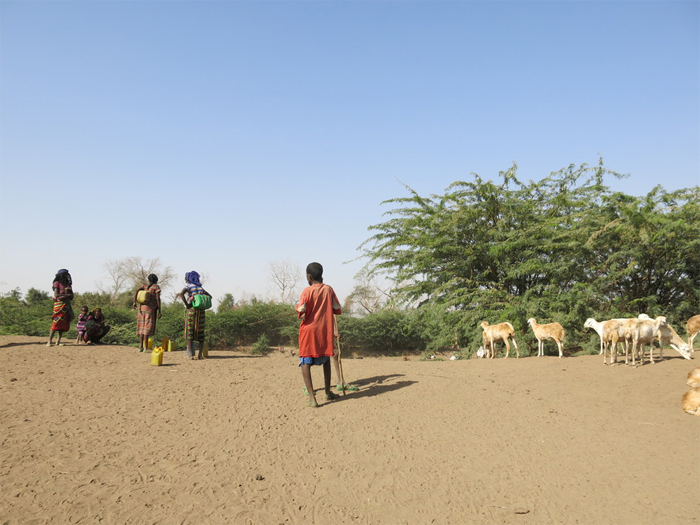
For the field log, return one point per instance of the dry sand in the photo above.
(98, 435)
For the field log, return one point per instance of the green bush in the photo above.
(261, 346)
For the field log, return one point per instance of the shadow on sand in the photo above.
(370, 387)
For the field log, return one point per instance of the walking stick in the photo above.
(340, 361)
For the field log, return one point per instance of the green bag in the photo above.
(201, 301)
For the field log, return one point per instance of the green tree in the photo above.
(563, 248)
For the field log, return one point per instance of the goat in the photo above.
(609, 337)
(691, 401)
(693, 379)
(599, 327)
(645, 335)
(553, 331)
(503, 331)
(667, 335)
(486, 346)
(692, 327)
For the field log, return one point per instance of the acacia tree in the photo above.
(563, 248)
(648, 253)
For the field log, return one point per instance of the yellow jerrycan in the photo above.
(205, 349)
(149, 344)
(165, 344)
(157, 356)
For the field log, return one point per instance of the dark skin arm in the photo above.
(158, 301)
(181, 295)
(62, 296)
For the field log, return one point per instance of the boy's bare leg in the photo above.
(327, 376)
(306, 374)
(50, 337)
(327, 380)
(200, 354)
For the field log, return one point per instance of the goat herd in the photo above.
(636, 333)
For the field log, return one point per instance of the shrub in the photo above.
(261, 346)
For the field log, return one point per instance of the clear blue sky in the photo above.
(221, 136)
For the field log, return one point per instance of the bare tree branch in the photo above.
(285, 276)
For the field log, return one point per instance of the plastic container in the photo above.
(157, 356)
(205, 349)
(149, 345)
(165, 344)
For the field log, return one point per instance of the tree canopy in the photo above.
(563, 249)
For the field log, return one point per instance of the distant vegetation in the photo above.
(562, 249)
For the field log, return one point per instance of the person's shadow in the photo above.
(374, 386)
(8, 345)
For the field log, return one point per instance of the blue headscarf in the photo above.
(193, 278)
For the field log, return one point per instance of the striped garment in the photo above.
(195, 321)
(192, 290)
(146, 319)
(60, 320)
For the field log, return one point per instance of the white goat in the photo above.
(667, 335)
(645, 335)
(502, 331)
(553, 331)
(599, 326)
(692, 327)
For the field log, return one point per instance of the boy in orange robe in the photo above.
(317, 305)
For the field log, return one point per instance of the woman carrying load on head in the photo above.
(194, 318)
(148, 311)
(62, 309)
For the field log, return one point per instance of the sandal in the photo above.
(330, 396)
(312, 404)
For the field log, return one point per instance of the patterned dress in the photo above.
(195, 320)
(62, 309)
(146, 320)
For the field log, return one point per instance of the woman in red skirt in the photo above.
(62, 309)
(148, 311)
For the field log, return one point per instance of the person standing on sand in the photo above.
(62, 309)
(316, 307)
(194, 319)
(148, 311)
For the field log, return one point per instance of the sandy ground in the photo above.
(98, 435)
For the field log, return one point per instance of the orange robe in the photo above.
(317, 305)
